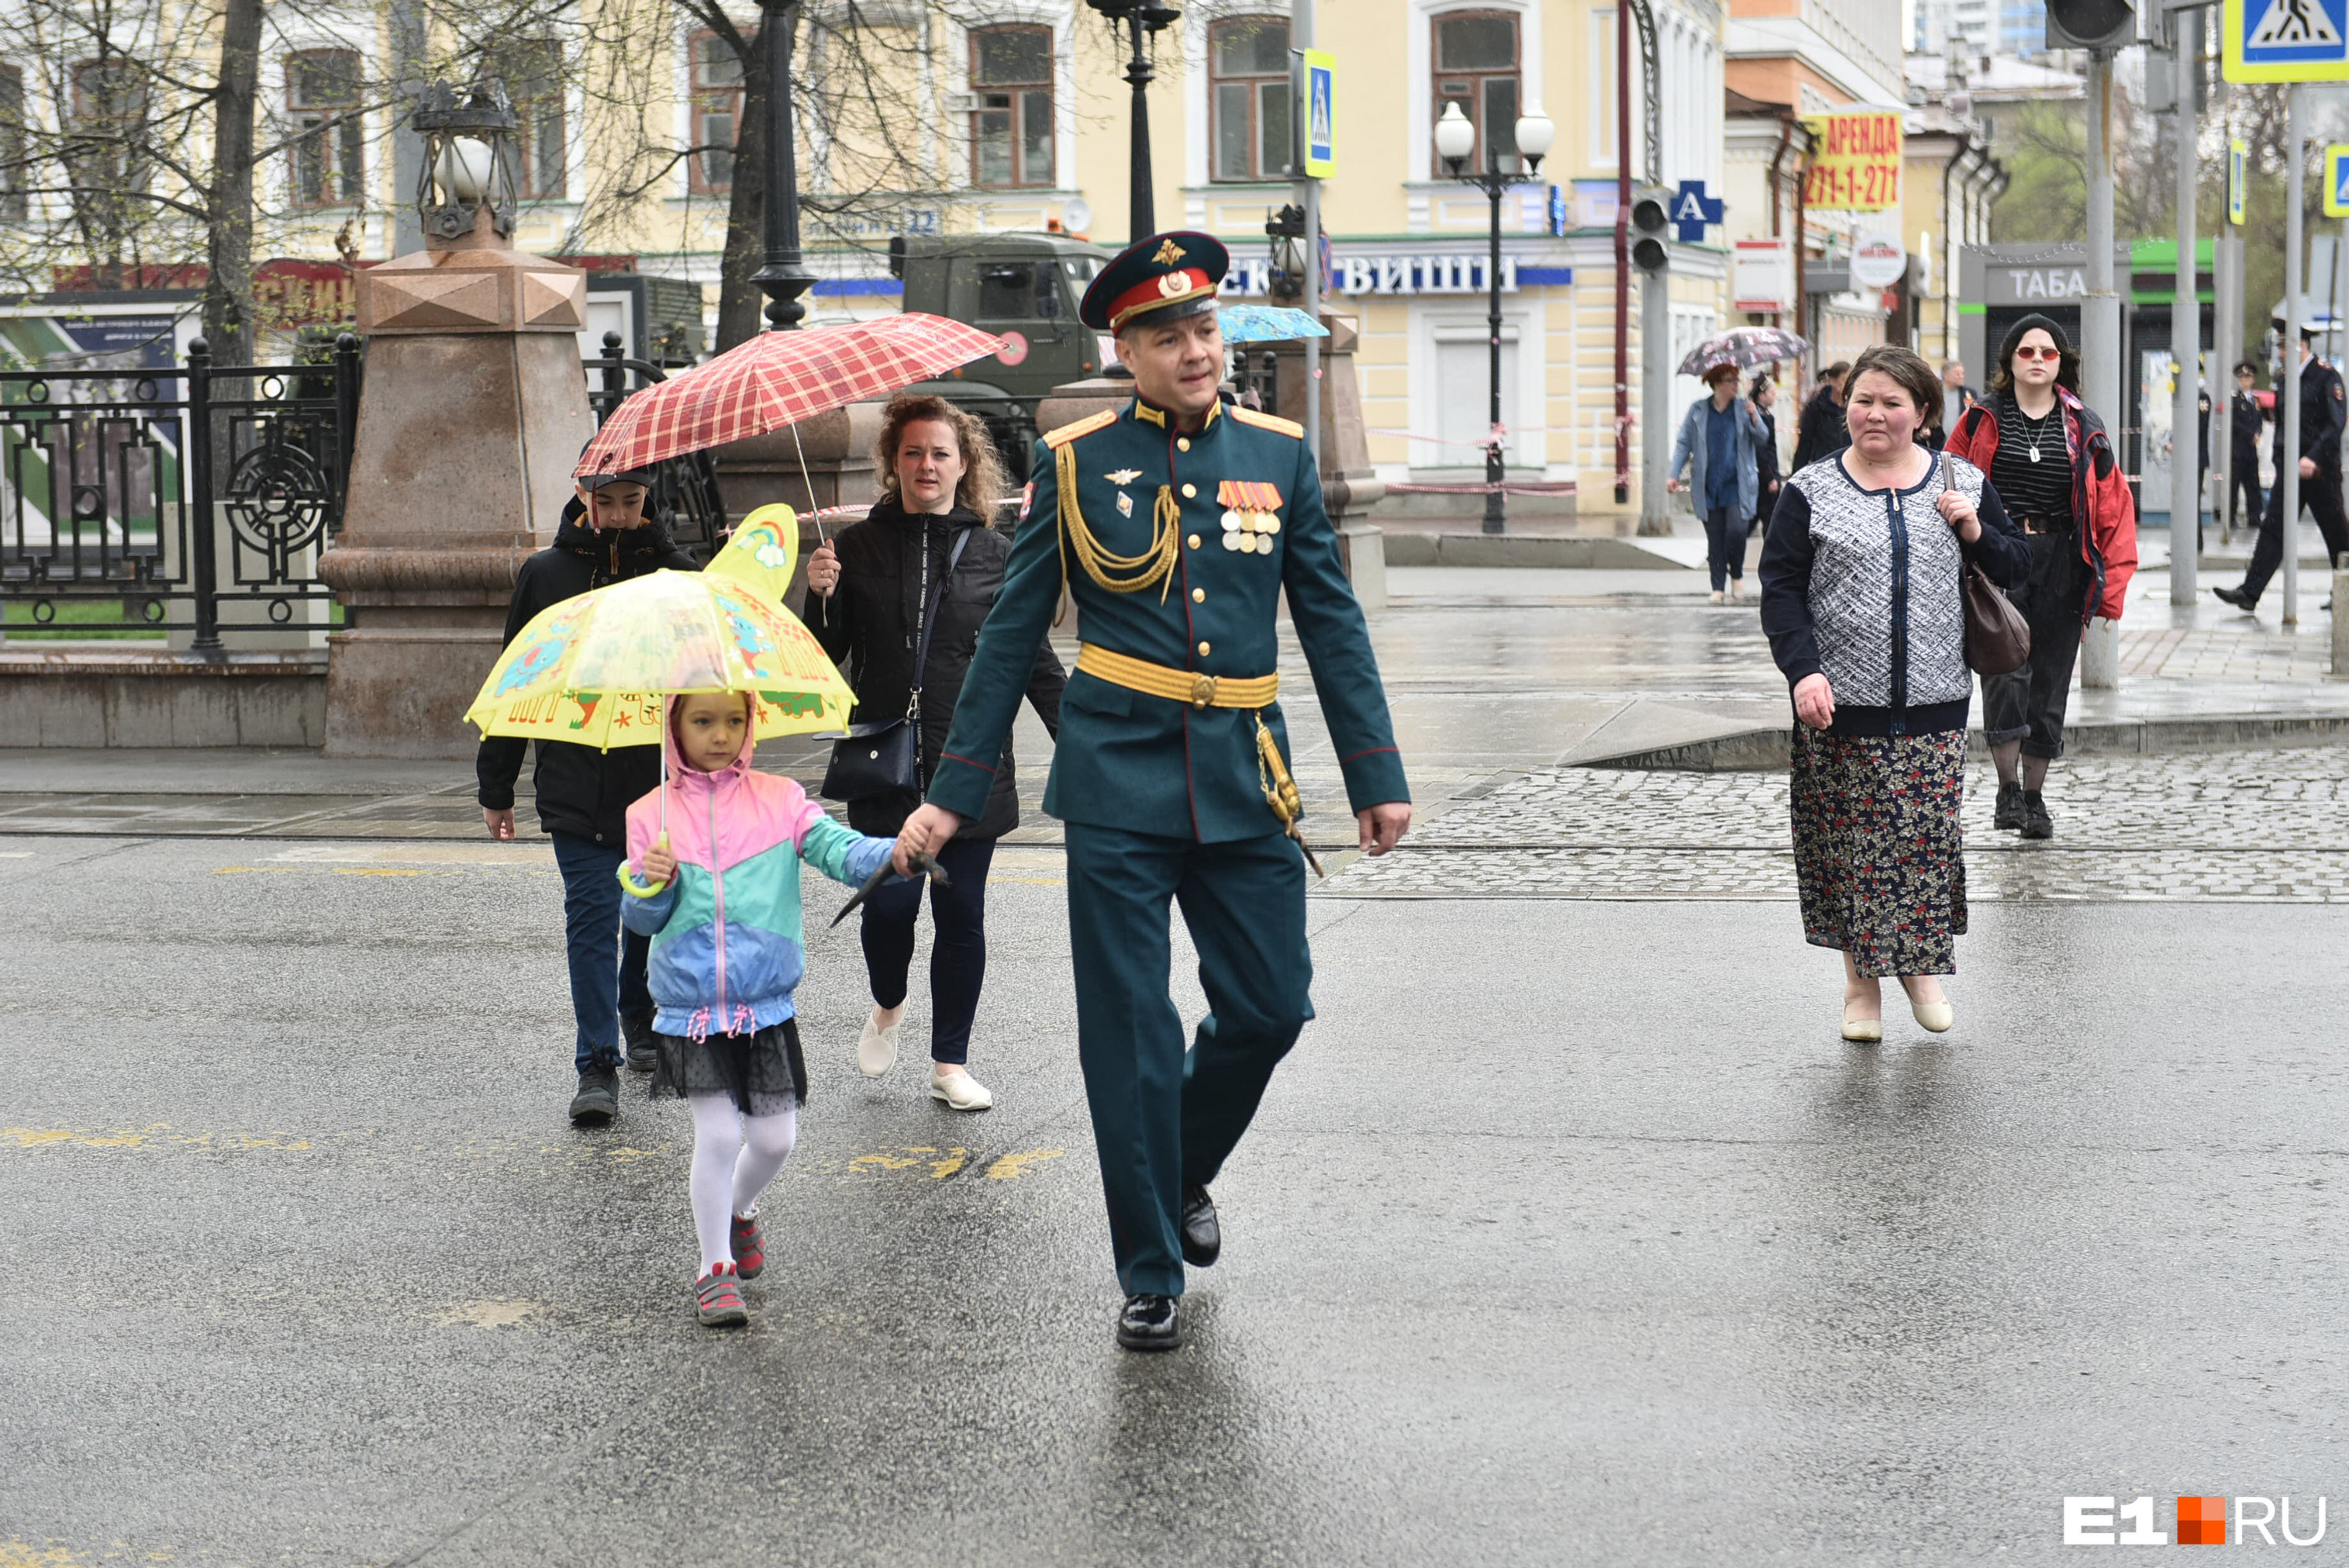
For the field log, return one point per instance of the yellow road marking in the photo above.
(159, 1136)
(489, 1313)
(374, 872)
(1011, 1167)
(20, 1555)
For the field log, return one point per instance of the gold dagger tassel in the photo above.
(1280, 789)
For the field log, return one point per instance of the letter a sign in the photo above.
(2287, 40)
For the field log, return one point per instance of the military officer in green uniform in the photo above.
(1175, 524)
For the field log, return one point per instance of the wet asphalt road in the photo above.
(1570, 1233)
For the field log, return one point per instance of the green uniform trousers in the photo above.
(1163, 1116)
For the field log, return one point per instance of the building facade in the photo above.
(1005, 115)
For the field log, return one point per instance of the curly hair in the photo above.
(1909, 372)
(982, 474)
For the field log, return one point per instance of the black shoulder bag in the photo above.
(885, 757)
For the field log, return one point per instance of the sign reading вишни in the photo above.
(1855, 162)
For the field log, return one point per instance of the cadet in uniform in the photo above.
(1175, 524)
(2321, 416)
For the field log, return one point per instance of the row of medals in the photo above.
(1246, 530)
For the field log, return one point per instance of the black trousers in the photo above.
(2319, 494)
(958, 944)
(2027, 705)
(2247, 491)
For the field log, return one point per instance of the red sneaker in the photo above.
(750, 1246)
(718, 1296)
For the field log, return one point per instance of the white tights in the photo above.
(734, 1158)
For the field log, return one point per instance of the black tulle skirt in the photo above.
(757, 1072)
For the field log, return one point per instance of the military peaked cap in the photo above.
(1162, 278)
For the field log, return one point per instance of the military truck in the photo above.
(1025, 288)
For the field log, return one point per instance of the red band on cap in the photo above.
(1182, 284)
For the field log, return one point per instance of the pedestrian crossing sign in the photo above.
(2286, 40)
(2336, 180)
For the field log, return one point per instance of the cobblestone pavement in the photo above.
(2260, 827)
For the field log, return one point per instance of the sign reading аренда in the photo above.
(1855, 162)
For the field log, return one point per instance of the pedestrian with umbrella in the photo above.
(582, 793)
(700, 665)
(1720, 447)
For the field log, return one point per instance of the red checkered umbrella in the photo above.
(778, 379)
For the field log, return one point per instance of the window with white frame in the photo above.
(532, 70)
(1476, 68)
(107, 150)
(323, 97)
(717, 112)
(1011, 119)
(1248, 96)
(12, 173)
(1600, 95)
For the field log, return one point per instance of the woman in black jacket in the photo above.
(1820, 433)
(1763, 396)
(925, 541)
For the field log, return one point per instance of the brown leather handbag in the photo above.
(1998, 639)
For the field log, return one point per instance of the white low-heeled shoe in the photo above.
(960, 1091)
(1934, 1017)
(1865, 1031)
(876, 1047)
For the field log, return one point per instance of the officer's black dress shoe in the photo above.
(2236, 597)
(1150, 1323)
(2009, 812)
(1203, 1238)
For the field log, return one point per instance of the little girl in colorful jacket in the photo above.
(717, 849)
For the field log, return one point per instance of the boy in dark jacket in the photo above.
(583, 794)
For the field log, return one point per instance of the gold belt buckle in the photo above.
(1203, 691)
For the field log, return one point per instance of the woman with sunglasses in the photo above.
(2050, 461)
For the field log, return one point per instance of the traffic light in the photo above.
(1651, 217)
(2090, 23)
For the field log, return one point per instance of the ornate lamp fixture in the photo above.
(467, 162)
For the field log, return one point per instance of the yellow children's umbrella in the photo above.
(762, 552)
(593, 670)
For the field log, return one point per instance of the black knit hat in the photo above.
(2067, 367)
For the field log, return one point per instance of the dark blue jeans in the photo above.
(957, 946)
(608, 972)
(1725, 546)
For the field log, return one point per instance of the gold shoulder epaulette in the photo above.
(1289, 428)
(1084, 427)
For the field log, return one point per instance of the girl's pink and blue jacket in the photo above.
(727, 946)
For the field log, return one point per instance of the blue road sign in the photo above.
(1693, 209)
(2286, 40)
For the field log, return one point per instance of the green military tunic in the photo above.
(1163, 799)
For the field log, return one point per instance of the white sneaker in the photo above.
(876, 1047)
(960, 1090)
(1716, 596)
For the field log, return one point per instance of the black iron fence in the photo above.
(108, 476)
(172, 501)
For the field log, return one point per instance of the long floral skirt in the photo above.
(1879, 850)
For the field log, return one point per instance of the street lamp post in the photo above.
(784, 277)
(1139, 18)
(1456, 137)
